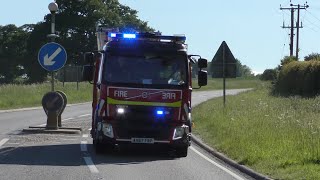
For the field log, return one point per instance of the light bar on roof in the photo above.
(180, 38)
(129, 36)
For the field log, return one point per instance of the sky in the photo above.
(251, 28)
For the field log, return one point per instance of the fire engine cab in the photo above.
(142, 88)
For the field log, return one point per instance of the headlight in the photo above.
(120, 110)
(178, 133)
(107, 130)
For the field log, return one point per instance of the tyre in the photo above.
(98, 146)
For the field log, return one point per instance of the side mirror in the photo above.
(88, 58)
(87, 72)
(202, 63)
(202, 78)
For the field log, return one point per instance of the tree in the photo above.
(12, 52)
(76, 23)
(312, 57)
(243, 70)
(269, 75)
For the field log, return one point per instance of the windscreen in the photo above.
(148, 69)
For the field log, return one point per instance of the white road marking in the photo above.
(3, 141)
(83, 146)
(67, 119)
(84, 115)
(85, 135)
(89, 129)
(216, 164)
(90, 165)
(13, 143)
(65, 139)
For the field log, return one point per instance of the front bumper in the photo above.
(160, 133)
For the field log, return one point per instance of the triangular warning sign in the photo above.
(223, 63)
(225, 51)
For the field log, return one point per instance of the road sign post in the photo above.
(224, 66)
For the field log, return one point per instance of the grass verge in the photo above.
(236, 83)
(279, 137)
(19, 96)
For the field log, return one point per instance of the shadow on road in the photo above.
(71, 155)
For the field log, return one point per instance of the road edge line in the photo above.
(37, 108)
(217, 164)
(232, 163)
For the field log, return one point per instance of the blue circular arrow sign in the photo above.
(52, 56)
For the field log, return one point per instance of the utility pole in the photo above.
(292, 9)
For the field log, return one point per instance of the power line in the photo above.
(313, 15)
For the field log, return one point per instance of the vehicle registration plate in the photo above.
(142, 140)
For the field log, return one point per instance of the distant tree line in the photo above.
(76, 25)
(241, 70)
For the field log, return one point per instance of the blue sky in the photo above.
(251, 28)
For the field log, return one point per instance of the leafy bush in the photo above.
(299, 78)
(312, 57)
(269, 75)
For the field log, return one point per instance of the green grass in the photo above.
(18, 96)
(279, 137)
(236, 83)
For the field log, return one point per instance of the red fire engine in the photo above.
(142, 88)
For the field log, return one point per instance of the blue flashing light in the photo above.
(129, 36)
(160, 112)
(113, 35)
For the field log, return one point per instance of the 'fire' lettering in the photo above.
(123, 94)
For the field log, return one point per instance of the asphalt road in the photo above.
(61, 156)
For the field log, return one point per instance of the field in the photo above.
(19, 96)
(279, 137)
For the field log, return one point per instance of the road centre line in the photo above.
(84, 115)
(68, 119)
(3, 141)
(216, 164)
(83, 146)
(90, 165)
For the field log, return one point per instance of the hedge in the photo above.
(299, 78)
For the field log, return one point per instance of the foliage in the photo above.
(269, 75)
(12, 52)
(312, 57)
(242, 70)
(299, 78)
(76, 23)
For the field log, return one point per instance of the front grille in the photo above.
(142, 122)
